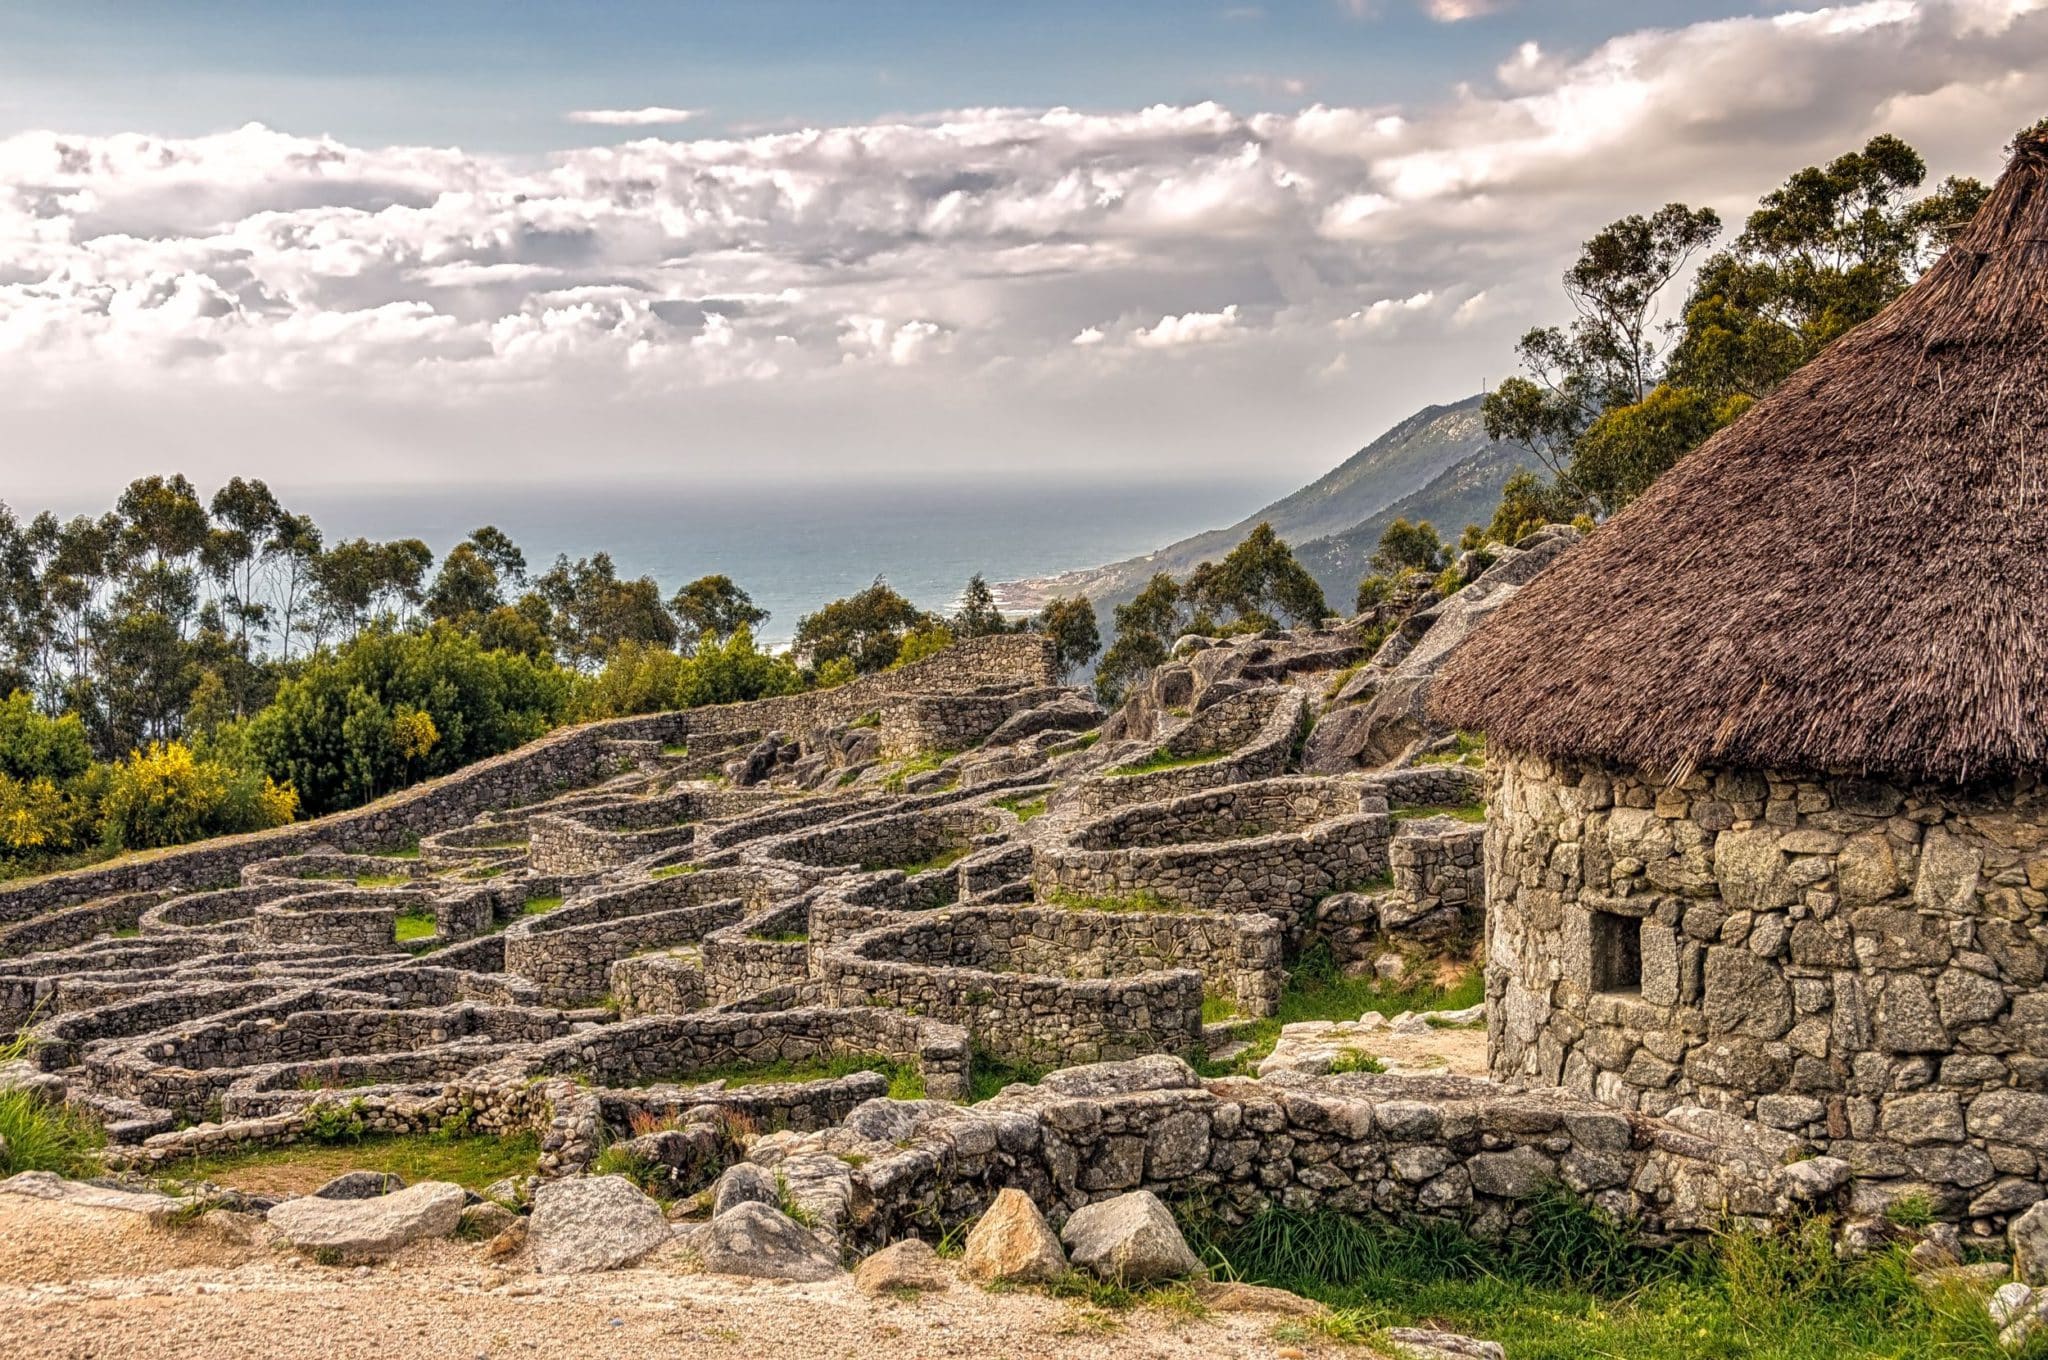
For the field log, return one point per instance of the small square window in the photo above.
(1617, 953)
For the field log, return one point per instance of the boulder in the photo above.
(49, 1185)
(906, 1265)
(1424, 1344)
(1068, 713)
(744, 1183)
(1131, 1239)
(360, 1185)
(1012, 1241)
(369, 1229)
(2028, 1237)
(1157, 1072)
(762, 1241)
(589, 1223)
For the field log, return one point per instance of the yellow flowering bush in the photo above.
(166, 795)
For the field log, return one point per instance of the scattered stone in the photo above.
(48, 1185)
(1423, 1344)
(590, 1223)
(760, 1240)
(360, 1185)
(744, 1183)
(1130, 1239)
(2028, 1237)
(1012, 1241)
(369, 1229)
(907, 1265)
(1230, 1296)
(508, 1242)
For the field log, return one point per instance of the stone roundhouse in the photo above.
(1768, 828)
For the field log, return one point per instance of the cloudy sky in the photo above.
(381, 243)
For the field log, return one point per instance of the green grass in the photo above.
(1464, 812)
(40, 1136)
(1572, 1284)
(382, 880)
(1316, 990)
(1144, 899)
(1355, 1060)
(1469, 749)
(1025, 808)
(468, 1160)
(924, 762)
(945, 859)
(675, 870)
(866, 720)
(540, 906)
(1217, 1009)
(1162, 759)
(990, 1074)
(906, 1080)
(414, 926)
(779, 936)
(675, 749)
(125, 933)
(411, 851)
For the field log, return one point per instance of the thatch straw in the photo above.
(1852, 578)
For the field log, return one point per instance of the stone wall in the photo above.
(574, 755)
(1408, 1147)
(1856, 964)
(1012, 661)
(1252, 734)
(951, 722)
(1275, 846)
(954, 966)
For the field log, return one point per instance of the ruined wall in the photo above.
(1857, 964)
(1008, 662)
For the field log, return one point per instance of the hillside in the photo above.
(1465, 493)
(1409, 458)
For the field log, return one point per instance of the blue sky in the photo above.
(498, 76)
(375, 244)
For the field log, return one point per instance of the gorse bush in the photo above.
(167, 795)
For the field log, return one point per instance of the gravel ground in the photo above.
(89, 1284)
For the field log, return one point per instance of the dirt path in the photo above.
(90, 1284)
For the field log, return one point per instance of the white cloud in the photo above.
(1457, 11)
(913, 285)
(654, 115)
(1189, 328)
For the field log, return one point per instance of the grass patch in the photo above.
(906, 1080)
(1573, 1284)
(989, 1074)
(867, 720)
(468, 1160)
(540, 906)
(1144, 899)
(414, 926)
(1163, 759)
(409, 851)
(1316, 990)
(382, 880)
(945, 859)
(40, 1136)
(1464, 812)
(1217, 1009)
(1355, 1060)
(675, 870)
(779, 936)
(1025, 808)
(125, 933)
(1468, 748)
(924, 762)
(675, 749)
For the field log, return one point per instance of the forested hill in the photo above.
(1416, 464)
(1465, 493)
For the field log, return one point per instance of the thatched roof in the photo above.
(1852, 578)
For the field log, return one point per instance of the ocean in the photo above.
(795, 547)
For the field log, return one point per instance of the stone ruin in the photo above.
(724, 936)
